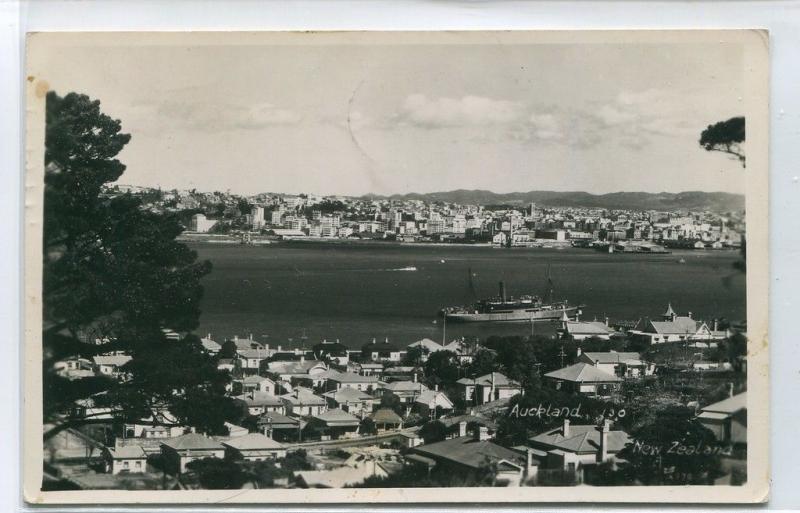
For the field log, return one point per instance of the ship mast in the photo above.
(550, 286)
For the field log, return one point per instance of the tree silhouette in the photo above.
(114, 278)
(726, 137)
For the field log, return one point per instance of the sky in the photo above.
(352, 119)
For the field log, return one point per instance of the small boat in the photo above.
(409, 268)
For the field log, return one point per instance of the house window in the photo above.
(126, 464)
(138, 464)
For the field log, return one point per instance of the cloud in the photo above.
(264, 114)
(467, 111)
(546, 127)
(214, 117)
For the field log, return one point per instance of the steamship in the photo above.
(503, 308)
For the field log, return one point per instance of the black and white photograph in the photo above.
(412, 266)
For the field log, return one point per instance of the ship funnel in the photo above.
(503, 291)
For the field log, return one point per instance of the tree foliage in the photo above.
(433, 431)
(726, 137)
(113, 273)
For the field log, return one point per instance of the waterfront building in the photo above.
(487, 388)
(201, 224)
(383, 351)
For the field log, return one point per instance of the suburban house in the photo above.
(126, 459)
(162, 425)
(350, 400)
(250, 359)
(487, 388)
(432, 404)
(428, 346)
(177, 452)
(74, 367)
(333, 424)
(253, 447)
(110, 365)
(279, 427)
(365, 368)
(247, 343)
(674, 328)
(727, 419)
(406, 391)
(210, 346)
(254, 383)
(303, 402)
(468, 455)
(465, 351)
(335, 352)
(337, 380)
(383, 351)
(303, 370)
(228, 364)
(571, 447)
(261, 402)
(622, 364)
(458, 425)
(584, 378)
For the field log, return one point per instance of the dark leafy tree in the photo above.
(485, 361)
(227, 350)
(391, 401)
(217, 474)
(367, 427)
(726, 137)
(415, 355)
(433, 431)
(443, 365)
(113, 273)
(675, 448)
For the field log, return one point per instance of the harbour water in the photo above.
(290, 293)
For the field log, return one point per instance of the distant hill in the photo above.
(694, 200)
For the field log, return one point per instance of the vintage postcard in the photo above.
(324, 267)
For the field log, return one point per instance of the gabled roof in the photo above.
(612, 356)
(351, 377)
(582, 373)
(481, 421)
(467, 451)
(192, 441)
(276, 419)
(254, 379)
(500, 380)
(581, 439)
(680, 326)
(244, 343)
(728, 406)
(114, 359)
(252, 441)
(348, 394)
(253, 353)
(428, 344)
(210, 345)
(432, 398)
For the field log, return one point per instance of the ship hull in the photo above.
(534, 315)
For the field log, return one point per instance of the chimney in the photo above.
(606, 322)
(716, 325)
(303, 358)
(689, 315)
(602, 454)
(482, 433)
(730, 389)
(279, 349)
(373, 340)
(565, 429)
(436, 387)
(462, 428)
(529, 466)
(415, 377)
(236, 338)
(579, 352)
(251, 336)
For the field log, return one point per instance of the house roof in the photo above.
(581, 439)
(500, 380)
(582, 373)
(728, 406)
(468, 451)
(612, 356)
(670, 312)
(428, 344)
(113, 359)
(587, 328)
(254, 379)
(348, 394)
(405, 386)
(259, 398)
(382, 347)
(210, 345)
(338, 417)
(386, 416)
(350, 377)
(127, 452)
(301, 396)
(244, 343)
(294, 367)
(192, 441)
(252, 441)
(277, 419)
(339, 477)
(481, 421)
(433, 398)
(680, 326)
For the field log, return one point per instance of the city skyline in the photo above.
(383, 119)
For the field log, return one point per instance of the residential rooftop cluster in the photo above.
(334, 416)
